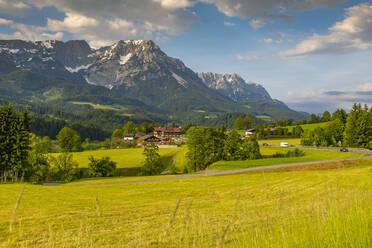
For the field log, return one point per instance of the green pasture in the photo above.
(310, 127)
(324, 208)
(125, 158)
(310, 155)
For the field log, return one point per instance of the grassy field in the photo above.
(310, 155)
(96, 106)
(325, 208)
(180, 159)
(310, 127)
(125, 158)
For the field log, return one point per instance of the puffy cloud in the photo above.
(5, 21)
(354, 33)
(256, 24)
(169, 16)
(13, 7)
(319, 100)
(268, 9)
(175, 4)
(270, 40)
(28, 32)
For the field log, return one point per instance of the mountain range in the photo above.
(133, 79)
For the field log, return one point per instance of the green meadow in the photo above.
(125, 158)
(267, 152)
(180, 159)
(310, 127)
(322, 208)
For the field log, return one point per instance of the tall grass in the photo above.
(272, 209)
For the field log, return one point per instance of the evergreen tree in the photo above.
(339, 114)
(14, 142)
(352, 129)
(326, 116)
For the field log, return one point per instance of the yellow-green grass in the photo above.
(96, 106)
(124, 158)
(276, 142)
(329, 208)
(310, 155)
(310, 127)
(180, 160)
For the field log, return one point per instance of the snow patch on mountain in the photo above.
(78, 68)
(124, 59)
(180, 80)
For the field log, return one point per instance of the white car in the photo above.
(284, 144)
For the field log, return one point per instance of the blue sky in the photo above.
(302, 52)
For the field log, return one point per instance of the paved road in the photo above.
(221, 173)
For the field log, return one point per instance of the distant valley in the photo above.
(129, 80)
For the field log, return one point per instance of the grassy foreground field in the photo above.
(329, 208)
(125, 158)
(310, 155)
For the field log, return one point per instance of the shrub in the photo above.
(103, 167)
(289, 154)
(64, 168)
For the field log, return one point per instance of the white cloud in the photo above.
(175, 4)
(321, 99)
(5, 21)
(229, 24)
(256, 24)
(270, 41)
(352, 34)
(13, 7)
(170, 16)
(268, 9)
(28, 32)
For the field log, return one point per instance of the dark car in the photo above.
(265, 144)
(344, 149)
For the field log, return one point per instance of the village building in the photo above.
(129, 137)
(250, 132)
(171, 132)
(149, 139)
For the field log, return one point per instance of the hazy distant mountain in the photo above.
(133, 69)
(237, 89)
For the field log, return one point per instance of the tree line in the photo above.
(351, 130)
(207, 145)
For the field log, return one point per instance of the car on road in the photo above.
(265, 144)
(344, 149)
(284, 144)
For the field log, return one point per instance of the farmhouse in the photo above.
(129, 137)
(171, 132)
(149, 139)
(250, 132)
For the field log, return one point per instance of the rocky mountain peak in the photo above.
(234, 87)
